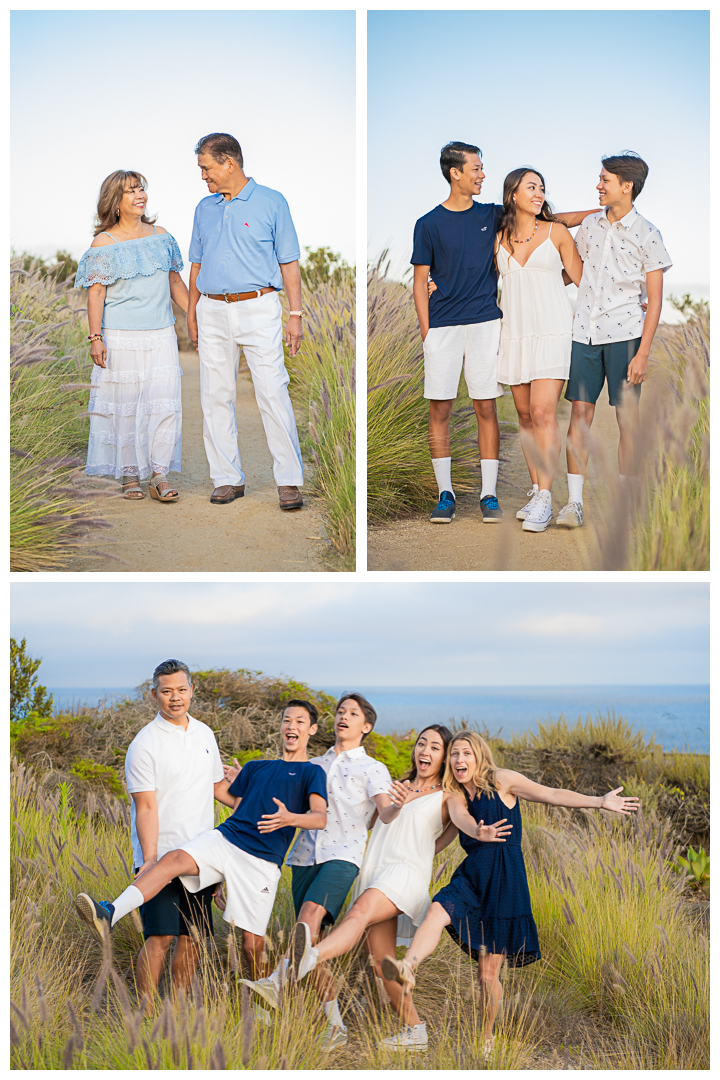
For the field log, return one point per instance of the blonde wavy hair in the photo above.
(485, 767)
(110, 197)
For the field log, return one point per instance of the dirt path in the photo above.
(193, 534)
(469, 544)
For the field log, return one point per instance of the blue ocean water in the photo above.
(678, 716)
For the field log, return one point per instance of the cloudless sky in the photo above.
(550, 89)
(370, 633)
(95, 91)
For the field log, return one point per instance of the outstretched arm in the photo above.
(571, 218)
(282, 818)
(517, 784)
(465, 822)
(389, 805)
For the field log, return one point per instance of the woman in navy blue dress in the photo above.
(486, 906)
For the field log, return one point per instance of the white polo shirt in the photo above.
(616, 259)
(181, 767)
(353, 780)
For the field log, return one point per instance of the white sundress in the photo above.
(536, 329)
(399, 860)
(135, 402)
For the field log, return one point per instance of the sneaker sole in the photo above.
(392, 972)
(568, 524)
(299, 943)
(492, 520)
(442, 521)
(535, 527)
(521, 515)
(407, 1049)
(86, 910)
(267, 996)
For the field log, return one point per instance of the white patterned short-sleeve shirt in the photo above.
(616, 258)
(353, 781)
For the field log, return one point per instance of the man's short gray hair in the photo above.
(220, 145)
(170, 667)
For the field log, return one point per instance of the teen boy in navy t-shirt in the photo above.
(460, 323)
(271, 799)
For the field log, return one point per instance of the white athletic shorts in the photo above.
(447, 348)
(251, 883)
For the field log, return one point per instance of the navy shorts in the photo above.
(326, 884)
(174, 910)
(591, 364)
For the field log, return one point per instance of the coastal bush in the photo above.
(26, 694)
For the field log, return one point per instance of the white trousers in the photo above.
(256, 326)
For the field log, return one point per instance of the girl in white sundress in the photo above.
(391, 894)
(131, 272)
(536, 258)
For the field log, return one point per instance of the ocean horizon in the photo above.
(678, 716)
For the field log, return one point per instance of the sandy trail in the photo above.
(193, 534)
(469, 544)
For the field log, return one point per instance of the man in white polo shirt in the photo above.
(325, 862)
(173, 771)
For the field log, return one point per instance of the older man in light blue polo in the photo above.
(244, 249)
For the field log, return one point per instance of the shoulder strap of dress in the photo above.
(154, 230)
(551, 225)
(110, 235)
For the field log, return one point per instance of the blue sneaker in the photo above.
(491, 509)
(444, 512)
(97, 914)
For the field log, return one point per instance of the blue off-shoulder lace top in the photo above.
(135, 273)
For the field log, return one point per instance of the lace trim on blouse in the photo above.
(133, 258)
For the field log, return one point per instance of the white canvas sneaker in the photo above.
(525, 510)
(410, 1038)
(571, 516)
(540, 514)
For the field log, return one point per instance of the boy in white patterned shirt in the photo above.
(623, 255)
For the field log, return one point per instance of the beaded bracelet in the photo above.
(95, 337)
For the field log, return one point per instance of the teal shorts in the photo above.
(591, 365)
(326, 884)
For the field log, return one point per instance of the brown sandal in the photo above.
(131, 490)
(171, 494)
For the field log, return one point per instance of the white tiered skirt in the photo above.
(135, 406)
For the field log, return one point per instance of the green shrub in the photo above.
(103, 775)
(26, 694)
(394, 751)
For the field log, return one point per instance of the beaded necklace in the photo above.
(516, 241)
(417, 789)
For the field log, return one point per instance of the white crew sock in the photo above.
(126, 902)
(535, 487)
(331, 1010)
(489, 467)
(575, 487)
(441, 468)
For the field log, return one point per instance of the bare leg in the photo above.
(426, 940)
(544, 397)
(521, 397)
(172, 865)
(488, 429)
(439, 428)
(252, 947)
(313, 914)
(577, 447)
(186, 958)
(490, 990)
(381, 939)
(628, 419)
(151, 961)
(371, 907)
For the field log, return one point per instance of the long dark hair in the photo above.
(444, 733)
(110, 197)
(509, 218)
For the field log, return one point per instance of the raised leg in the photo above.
(381, 940)
(371, 907)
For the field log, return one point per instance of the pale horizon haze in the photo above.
(86, 100)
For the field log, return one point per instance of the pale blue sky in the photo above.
(550, 89)
(95, 91)
(370, 633)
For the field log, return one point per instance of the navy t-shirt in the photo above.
(458, 246)
(292, 782)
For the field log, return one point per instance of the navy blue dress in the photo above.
(488, 898)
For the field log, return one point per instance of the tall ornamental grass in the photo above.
(54, 507)
(400, 476)
(324, 388)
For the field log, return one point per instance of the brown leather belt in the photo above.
(232, 298)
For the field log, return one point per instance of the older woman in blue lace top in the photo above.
(131, 272)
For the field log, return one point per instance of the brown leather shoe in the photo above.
(290, 498)
(227, 493)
